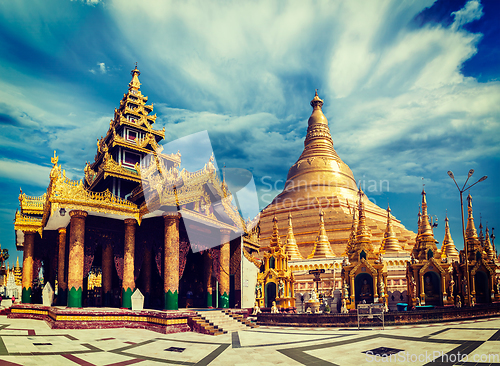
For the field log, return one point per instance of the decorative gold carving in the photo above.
(32, 205)
(72, 195)
(28, 223)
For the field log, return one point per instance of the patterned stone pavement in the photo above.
(32, 342)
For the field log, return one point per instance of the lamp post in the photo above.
(450, 173)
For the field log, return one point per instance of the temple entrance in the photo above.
(363, 284)
(432, 289)
(191, 291)
(481, 286)
(270, 294)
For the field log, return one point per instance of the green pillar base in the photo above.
(75, 298)
(26, 295)
(209, 300)
(106, 299)
(62, 297)
(224, 300)
(171, 300)
(127, 298)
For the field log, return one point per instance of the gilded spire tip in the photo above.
(317, 102)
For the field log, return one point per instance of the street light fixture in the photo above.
(450, 173)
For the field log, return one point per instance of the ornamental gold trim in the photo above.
(28, 223)
(70, 194)
(31, 204)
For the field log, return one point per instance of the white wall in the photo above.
(249, 280)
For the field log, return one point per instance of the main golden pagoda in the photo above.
(320, 180)
(136, 221)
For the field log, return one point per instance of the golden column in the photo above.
(107, 274)
(146, 268)
(62, 283)
(128, 283)
(76, 257)
(224, 269)
(171, 261)
(207, 264)
(28, 246)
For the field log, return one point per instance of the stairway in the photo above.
(240, 318)
(223, 321)
(205, 327)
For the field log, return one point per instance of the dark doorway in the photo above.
(432, 289)
(481, 284)
(191, 291)
(231, 291)
(363, 284)
(270, 294)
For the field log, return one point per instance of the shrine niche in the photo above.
(480, 284)
(364, 274)
(429, 273)
(275, 280)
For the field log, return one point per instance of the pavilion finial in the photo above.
(55, 159)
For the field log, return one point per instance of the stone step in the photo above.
(224, 320)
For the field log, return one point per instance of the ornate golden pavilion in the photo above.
(137, 219)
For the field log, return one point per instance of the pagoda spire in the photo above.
(390, 243)
(322, 247)
(291, 248)
(319, 171)
(471, 237)
(318, 140)
(425, 226)
(448, 246)
(425, 247)
(275, 238)
(363, 234)
(481, 235)
(352, 237)
(488, 248)
(134, 84)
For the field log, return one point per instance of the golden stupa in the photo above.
(321, 182)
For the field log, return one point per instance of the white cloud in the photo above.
(102, 67)
(24, 172)
(246, 72)
(473, 10)
(90, 2)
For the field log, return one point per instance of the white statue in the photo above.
(274, 308)
(314, 297)
(344, 310)
(256, 309)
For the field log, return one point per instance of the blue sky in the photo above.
(411, 90)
